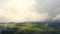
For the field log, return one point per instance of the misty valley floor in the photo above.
(29, 29)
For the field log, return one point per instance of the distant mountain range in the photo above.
(55, 23)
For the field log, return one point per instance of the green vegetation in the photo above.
(31, 29)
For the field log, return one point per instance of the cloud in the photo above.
(21, 11)
(57, 17)
(29, 10)
(50, 6)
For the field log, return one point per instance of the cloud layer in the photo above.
(20, 10)
(28, 10)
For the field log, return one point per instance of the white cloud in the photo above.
(20, 11)
(57, 17)
(29, 10)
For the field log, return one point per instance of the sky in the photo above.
(29, 10)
